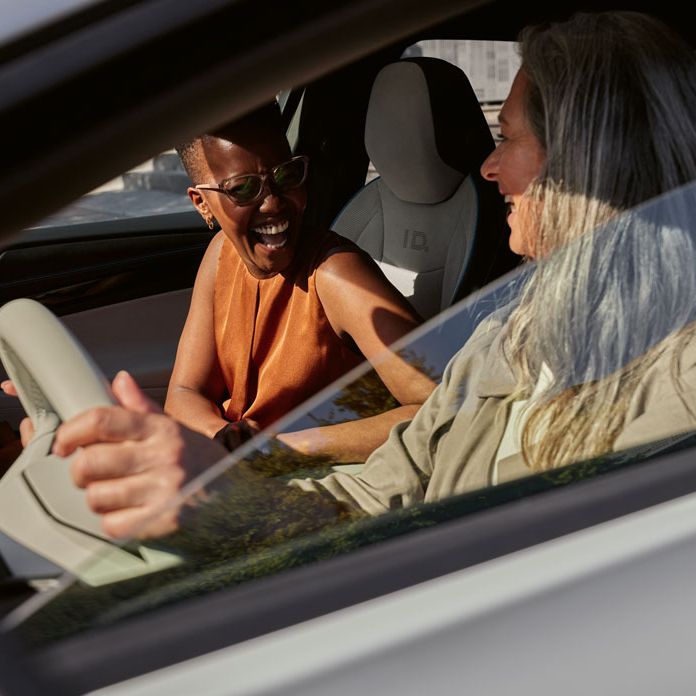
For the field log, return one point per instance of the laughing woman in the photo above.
(280, 311)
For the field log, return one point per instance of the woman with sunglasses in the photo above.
(279, 311)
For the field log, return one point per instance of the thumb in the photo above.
(26, 431)
(129, 394)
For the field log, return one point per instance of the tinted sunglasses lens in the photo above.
(244, 189)
(290, 175)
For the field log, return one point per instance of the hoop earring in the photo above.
(210, 221)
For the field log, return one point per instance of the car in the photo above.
(571, 580)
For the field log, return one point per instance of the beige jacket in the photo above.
(450, 445)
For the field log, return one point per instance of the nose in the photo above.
(489, 168)
(271, 201)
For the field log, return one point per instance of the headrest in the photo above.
(425, 131)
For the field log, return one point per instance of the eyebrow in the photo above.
(235, 176)
(264, 171)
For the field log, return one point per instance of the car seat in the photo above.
(433, 224)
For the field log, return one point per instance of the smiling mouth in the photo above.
(272, 236)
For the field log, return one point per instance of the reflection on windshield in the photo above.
(608, 378)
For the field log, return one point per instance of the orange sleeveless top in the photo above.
(274, 342)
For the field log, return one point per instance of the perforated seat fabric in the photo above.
(430, 221)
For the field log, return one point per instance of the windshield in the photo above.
(615, 384)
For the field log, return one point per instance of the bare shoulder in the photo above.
(205, 278)
(212, 253)
(354, 266)
(350, 285)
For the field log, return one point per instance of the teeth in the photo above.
(272, 229)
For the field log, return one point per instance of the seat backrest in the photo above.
(435, 227)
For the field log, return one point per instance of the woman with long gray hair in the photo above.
(597, 352)
(611, 97)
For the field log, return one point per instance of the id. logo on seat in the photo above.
(415, 240)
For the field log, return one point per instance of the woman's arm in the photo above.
(359, 302)
(197, 386)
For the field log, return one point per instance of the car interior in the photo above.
(433, 225)
(121, 283)
(122, 287)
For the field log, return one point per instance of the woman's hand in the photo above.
(132, 461)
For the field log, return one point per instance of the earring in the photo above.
(210, 220)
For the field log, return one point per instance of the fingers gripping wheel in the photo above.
(39, 506)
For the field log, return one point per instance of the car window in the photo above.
(489, 65)
(154, 187)
(265, 509)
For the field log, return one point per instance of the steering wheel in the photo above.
(40, 507)
(53, 374)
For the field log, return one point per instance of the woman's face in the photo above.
(265, 233)
(516, 161)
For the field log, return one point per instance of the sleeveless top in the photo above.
(274, 342)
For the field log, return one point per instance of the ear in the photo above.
(201, 205)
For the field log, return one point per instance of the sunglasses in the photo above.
(247, 189)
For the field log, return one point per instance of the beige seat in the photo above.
(431, 222)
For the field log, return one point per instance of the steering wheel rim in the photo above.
(68, 384)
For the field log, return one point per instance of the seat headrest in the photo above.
(425, 131)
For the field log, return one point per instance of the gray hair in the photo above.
(612, 98)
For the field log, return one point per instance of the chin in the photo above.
(271, 266)
(517, 246)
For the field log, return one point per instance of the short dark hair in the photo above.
(190, 152)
